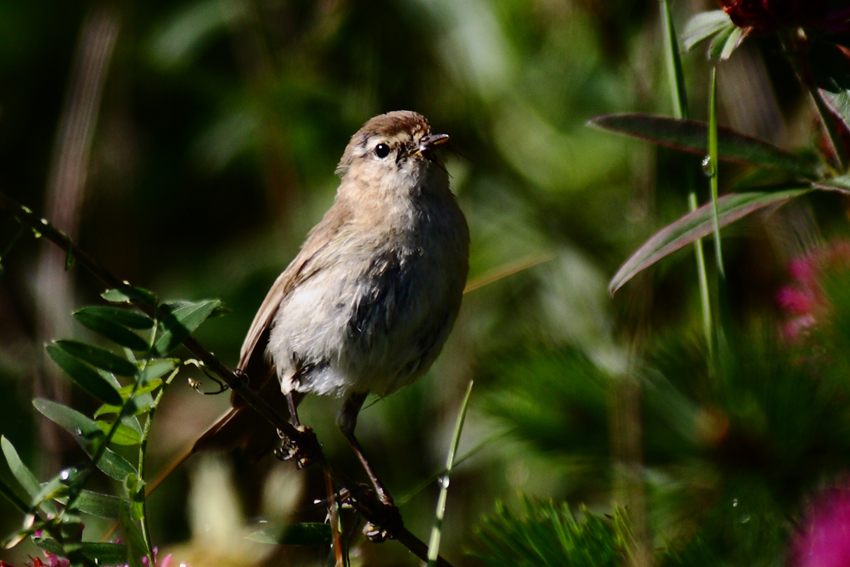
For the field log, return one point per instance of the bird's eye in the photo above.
(382, 150)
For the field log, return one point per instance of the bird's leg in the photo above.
(346, 420)
(289, 450)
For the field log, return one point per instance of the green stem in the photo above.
(714, 168)
(436, 530)
(680, 110)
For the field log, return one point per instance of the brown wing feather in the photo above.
(242, 426)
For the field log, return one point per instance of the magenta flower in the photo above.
(824, 540)
(804, 300)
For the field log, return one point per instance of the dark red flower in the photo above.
(764, 16)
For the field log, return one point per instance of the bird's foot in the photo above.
(304, 449)
(383, 517)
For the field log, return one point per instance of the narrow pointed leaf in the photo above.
(696, 225)
(119, 316)
(96, 504)
(72, 421)
(181, 320)
(310, 534)
(84, 375)
(108, 328)
(703, 26)
(101, 553)
(22, 474)
(124, 436)
(831, 70)
(7, 492)
(130, 294)
(692, 136)
(114, 465)
(86, 432)
(725, 42)
(840, 184)
(99, 358)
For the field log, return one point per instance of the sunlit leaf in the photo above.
(831, 70)
(123, 435)
(130, 294)
(692, 136)
(86, 432)
(111, 330)
(725, 42)
(83, 375)
(703, 26)
(181, 320)
(96, 504)
(23, 475)
(99, 358)
(697, 225)
(309, 534)
(119, 316)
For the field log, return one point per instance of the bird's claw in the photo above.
(384, 518)
(302, 451)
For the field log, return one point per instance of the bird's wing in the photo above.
(299, 270)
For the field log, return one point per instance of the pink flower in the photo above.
(804, 299)
(824, 540)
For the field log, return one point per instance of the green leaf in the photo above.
(86, 432)
(124, 436)
(119, 316)
(96, 504)
(83, 375)
(696, 225)
(111, 330)
(114, 465)
(692, 136)
(99, 358)
(58, 486)
(129, 294)
(134, 489)
(840, 184)
(308, 534)
(702, 26)
(50, 545)
(77, 424)
(13, 497)
(156, 368)
(102, 553)
(136, 548)
(831, 70)
(725, 42)
(24, 476)
(181, 320)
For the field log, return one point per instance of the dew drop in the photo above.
(734, 502)
(707, 166)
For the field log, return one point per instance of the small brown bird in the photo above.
(369, 301)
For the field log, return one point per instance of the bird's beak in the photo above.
(428, 143)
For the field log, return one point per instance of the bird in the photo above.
(367, 304)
